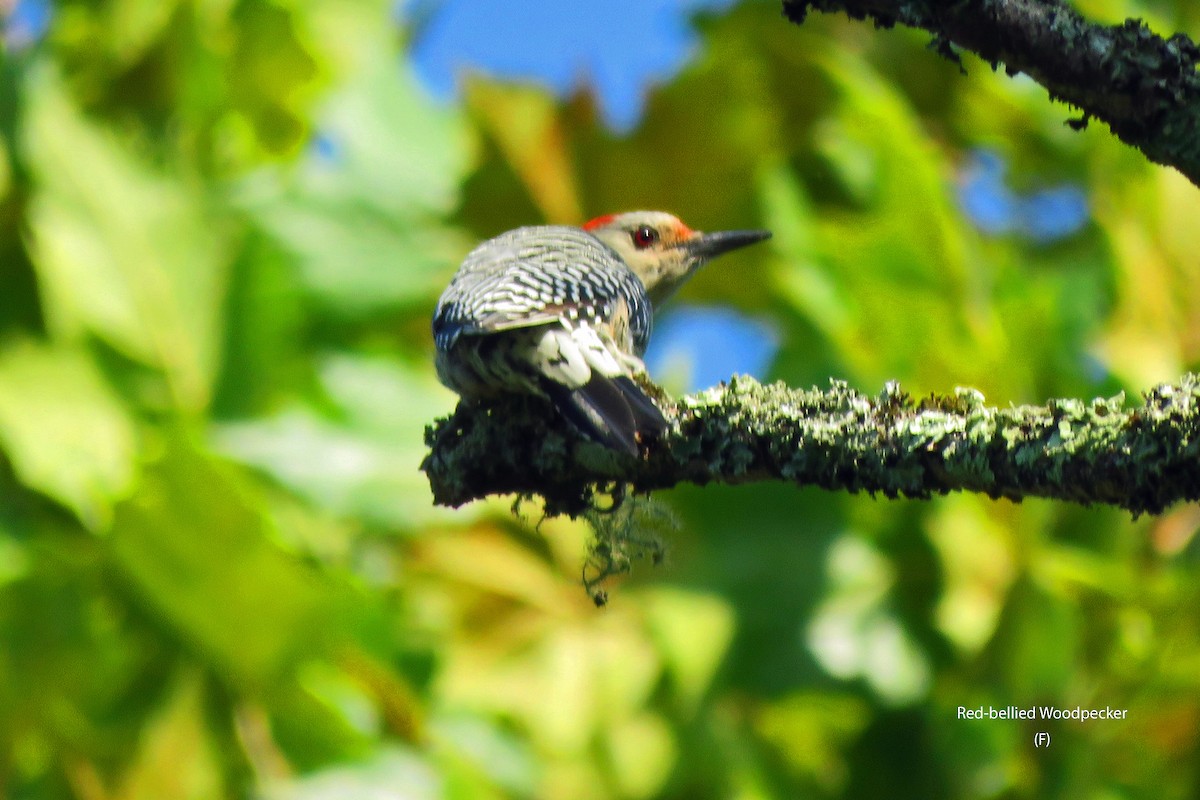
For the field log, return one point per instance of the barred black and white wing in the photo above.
(531, 276)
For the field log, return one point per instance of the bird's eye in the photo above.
(644, 236)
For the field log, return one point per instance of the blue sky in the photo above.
(1043, 215)
(26, 23)
(617, 47)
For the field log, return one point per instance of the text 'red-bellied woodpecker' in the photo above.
(566, 313)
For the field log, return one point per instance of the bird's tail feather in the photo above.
(613, 411)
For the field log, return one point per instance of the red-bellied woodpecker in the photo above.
(566, 313)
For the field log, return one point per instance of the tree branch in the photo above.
(1143, 86)
(1139, 459)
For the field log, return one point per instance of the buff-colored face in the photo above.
(650, 242)
(661, 250)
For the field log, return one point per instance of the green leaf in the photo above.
(270, 73)
(1040, 640)
(490, 749)
(365, 465)
(807, 284)
(852, 634)
(392, 772)
(812, 730)
(643, 751)
(64, 430)
(198, 547)
(122, 250)
(132, 26)
(363, 218)
(175, 757)
(693, 631)
(895, 245)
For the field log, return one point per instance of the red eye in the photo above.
(644, 236)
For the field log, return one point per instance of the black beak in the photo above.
(711, 245)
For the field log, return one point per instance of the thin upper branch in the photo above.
(1144, 87)
(1141, 459)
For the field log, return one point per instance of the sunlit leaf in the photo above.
(65, 431)
(803, 281)
(811, 730)
(853, 635)
(364, 466)
(133, 25)
(360, 215)
(122, 249)
(643, 751)
(393, 772)
(693, 632)
(909, 290)
(979, 569)
(502, 756)
(271, 74)
(529, 132)
(177, 757)
(196, 545)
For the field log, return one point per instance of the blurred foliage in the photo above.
(223, 225)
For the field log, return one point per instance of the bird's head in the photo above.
(661, 250)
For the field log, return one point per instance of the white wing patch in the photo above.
(570, 356)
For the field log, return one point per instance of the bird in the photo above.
(566, 312)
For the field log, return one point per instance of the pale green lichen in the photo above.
(1141, 459)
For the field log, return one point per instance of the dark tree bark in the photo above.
(1144, 87)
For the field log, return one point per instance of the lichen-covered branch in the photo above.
(1141, 459)
(1144, 87)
